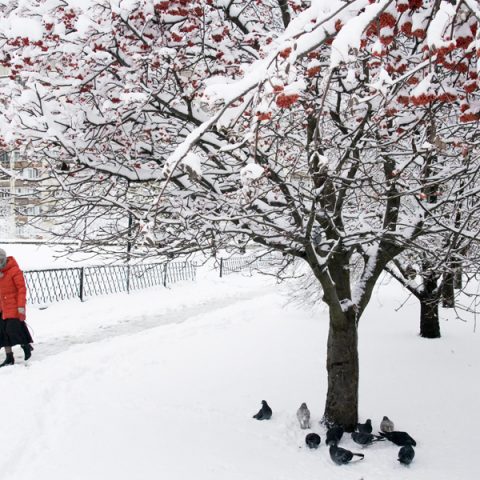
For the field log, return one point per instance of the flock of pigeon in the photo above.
(362, 435)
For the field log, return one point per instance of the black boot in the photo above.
(9, 360)
(27, 349)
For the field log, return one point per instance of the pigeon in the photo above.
(399, 438)
(365, 438)
(312, 440)
(365, 427)
(342, 456)
(334, 434)
(303, 415)
(386, 425)
(265, 413)
(406, 454)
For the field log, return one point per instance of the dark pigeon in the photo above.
(406, 454)
(341, 456)
(334, 434)
(365, 438)
(399, 438)
(265, 413)
(386, 425)
(312, 440)
(365, 427)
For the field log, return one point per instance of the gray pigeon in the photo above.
(386, 425)
(303, 415)
(265, 413)
(399, 438)
(365, 438)
(312, 440)
(365, 427)
(406, 454)
(334, 434)
(341, 456)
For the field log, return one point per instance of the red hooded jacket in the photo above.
(13, 292)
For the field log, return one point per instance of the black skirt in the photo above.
(13, 332)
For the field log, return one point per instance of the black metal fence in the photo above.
(54, 285)
(246, 263)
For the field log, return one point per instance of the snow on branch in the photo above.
(474, 6)
(307, 31)
(439, 24)
(350, 35)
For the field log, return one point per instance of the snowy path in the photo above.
(163, 384)
(135, 324)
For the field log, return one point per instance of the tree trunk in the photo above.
(448, 291)
(341, 407)
(458, 278)
(429, 321)
(429, 303)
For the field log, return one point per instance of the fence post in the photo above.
(82, 277)
(128, 278)
(193, 266)
(165, 275)
(221, 267)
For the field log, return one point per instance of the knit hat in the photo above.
(3, 258)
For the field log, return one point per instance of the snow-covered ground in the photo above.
(162, 384)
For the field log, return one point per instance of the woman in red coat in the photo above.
(13, 295)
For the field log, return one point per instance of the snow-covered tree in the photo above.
(326, 130)
(432, 275)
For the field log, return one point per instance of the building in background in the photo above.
(20, 201)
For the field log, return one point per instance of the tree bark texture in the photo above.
(429, 303)
(458, 270)
(459, 278)
(429, 320)
(448, 290)
(341, 406)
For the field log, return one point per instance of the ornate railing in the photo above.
(54, 285)
(57, 284)
(249, 263)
